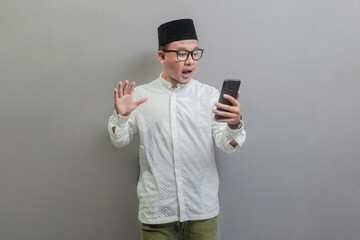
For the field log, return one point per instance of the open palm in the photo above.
(124, 103)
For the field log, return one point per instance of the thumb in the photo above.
(141, 101)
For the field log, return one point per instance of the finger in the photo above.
(115, 94)
(232, 109)
(222, 120)
(125, 87)
(141, 101)
(227, 120)
(120, 89)
(231, 99)
(131, 88)
(224, 114)
(224, 106)
(238, 95)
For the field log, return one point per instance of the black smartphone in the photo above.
(230, 87)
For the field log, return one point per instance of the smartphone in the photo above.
(230, 87)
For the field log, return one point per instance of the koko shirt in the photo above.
(178, 175)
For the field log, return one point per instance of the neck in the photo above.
(174, 82)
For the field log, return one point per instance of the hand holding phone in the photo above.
(230, 87)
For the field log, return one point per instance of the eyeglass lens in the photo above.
(183, 54)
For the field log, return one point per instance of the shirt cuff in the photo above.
(118, 119)
(233, 133)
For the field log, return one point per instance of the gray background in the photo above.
(297, 175)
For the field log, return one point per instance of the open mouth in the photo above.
(187, 73)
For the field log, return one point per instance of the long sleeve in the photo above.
(178, 173)
(126, 127)
(223, 134)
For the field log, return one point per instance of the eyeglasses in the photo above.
(183, 55)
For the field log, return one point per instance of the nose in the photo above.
(189, 61)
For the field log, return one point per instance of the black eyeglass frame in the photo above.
(188, 53)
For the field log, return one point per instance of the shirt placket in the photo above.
(177, 159)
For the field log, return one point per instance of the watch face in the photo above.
(238, 125)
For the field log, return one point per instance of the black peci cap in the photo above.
(182, 29)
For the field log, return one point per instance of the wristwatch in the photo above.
(236, 126)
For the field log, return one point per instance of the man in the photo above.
(174, 115)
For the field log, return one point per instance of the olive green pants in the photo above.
(190, 230)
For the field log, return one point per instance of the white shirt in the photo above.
(178, 175)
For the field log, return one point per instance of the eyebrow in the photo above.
(182, 48)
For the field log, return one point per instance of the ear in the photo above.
(161, 56)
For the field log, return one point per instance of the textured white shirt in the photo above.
(178, 175)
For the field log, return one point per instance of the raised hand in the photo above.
(233, 117)
(124, 103)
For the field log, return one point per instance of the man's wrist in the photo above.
(118, 119)
(236, 126)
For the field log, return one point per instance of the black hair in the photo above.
(164, 47)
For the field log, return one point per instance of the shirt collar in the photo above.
(169, 84)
